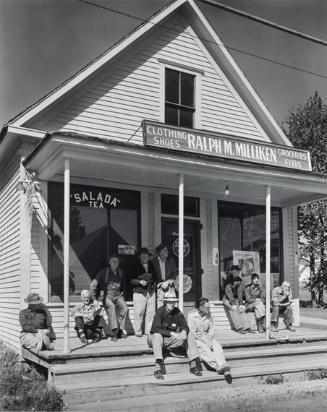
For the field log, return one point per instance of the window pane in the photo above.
(186, 118)
(172, 86)
(169, 205)
(242, 228)
(171, 115)
(187, 89)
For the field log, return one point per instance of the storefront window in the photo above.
(102, 221)
(242, 239)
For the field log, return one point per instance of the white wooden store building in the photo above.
(164, 117)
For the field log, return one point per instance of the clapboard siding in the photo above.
(10, 251)
(35, 263)
(115, 107)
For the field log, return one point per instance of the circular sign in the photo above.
(186, 247)
(187, 283)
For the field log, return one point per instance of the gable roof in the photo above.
(214, 45)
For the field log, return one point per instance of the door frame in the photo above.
(198, 227)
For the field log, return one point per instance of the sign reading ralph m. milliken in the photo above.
(199, 142)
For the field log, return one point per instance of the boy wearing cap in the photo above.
(165, 271)
(201, 326)
(37, 332)
(169, 330)
(87, 316)
(144, 296)
(254, 298)
(281, 304)
(233, 302)
(108, 286)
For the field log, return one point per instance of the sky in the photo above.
(44, 42)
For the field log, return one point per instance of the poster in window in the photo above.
(248, 261)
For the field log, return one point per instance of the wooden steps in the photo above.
(123, 371)
(231, 356)
(134, 387)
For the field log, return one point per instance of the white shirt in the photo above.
(162, 268)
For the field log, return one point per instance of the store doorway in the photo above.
(192, 253)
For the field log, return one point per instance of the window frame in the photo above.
(197, 90)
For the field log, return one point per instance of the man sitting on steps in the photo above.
(169, 330)
(254, 298)
(201, 326)
(281, 304)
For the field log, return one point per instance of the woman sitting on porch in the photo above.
(37, 332)
(87, 316)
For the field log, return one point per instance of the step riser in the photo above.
(172, 367)
(75, 398)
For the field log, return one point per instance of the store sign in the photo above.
(94, 198)
(211, 144)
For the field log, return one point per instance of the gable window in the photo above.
(179, 98)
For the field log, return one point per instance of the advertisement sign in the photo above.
(248, 261)
(212, 144)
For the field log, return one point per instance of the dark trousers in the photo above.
(89, 329)
(282, 310)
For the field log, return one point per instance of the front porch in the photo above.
(122, 372)
(67, 157)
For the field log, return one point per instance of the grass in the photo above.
(22, 388)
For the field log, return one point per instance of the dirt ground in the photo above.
(305, 396)
(310, 402)
(314, 312)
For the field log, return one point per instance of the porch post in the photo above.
(181, 240)
(66, 253)
(268, 215)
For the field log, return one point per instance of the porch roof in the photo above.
(114, 162)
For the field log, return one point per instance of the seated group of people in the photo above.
(166, 327)
(239, 301)
(154, 275)
(170, 331)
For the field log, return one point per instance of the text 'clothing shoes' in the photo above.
(291, 328)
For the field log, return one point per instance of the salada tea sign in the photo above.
(211, 144)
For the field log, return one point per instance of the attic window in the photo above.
(179, 98)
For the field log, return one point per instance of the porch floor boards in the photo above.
(136, 346)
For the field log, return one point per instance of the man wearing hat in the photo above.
(169, 330)
(37, 332)
(108, 286)
(166, 272)
(144, 296)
